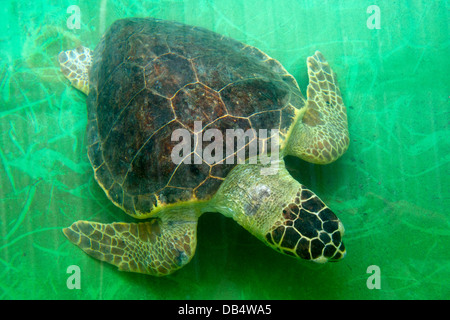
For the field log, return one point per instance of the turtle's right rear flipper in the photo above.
(320, 134)
(158, 247)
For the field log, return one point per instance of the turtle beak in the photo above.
(336, 240)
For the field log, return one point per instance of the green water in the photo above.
(391, 189)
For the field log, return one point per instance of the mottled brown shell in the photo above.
(150, 77)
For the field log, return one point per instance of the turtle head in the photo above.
(281, 212)
(307, 229)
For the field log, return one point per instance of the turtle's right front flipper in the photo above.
(158, 247)
(320, 134)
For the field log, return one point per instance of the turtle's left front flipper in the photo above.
(158, 247)
(320, 134)
(75, 66)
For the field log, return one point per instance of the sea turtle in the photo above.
(149, 78)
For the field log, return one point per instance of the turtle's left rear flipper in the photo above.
(320, 134)
(158, 247)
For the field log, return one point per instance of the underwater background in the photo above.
(391, 188)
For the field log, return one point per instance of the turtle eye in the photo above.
(308, 229)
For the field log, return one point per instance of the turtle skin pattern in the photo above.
(150, 77)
